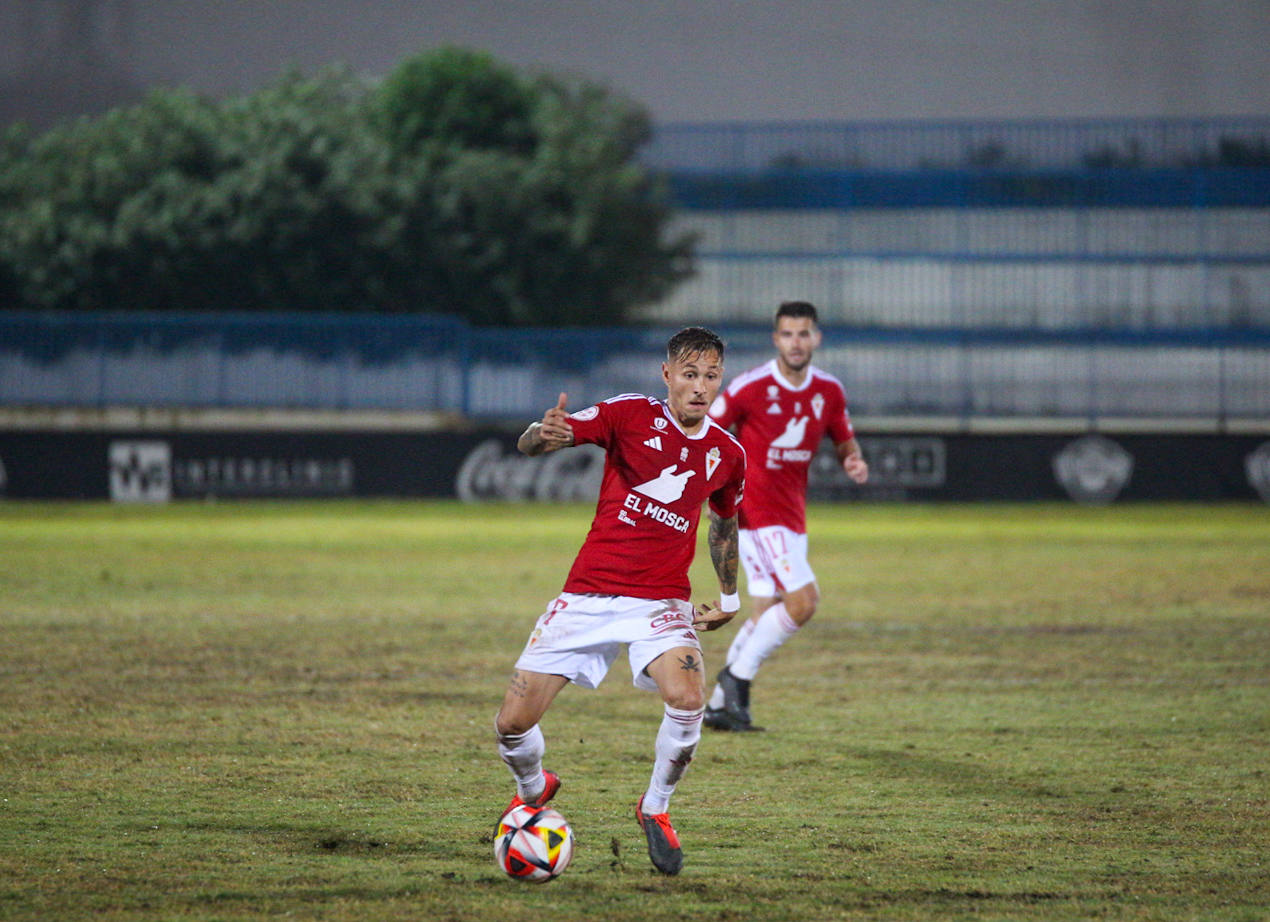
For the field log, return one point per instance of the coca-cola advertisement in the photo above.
(495, 470)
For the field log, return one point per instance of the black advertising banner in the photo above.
(483, 465)
(1085, 468)
(156, 467)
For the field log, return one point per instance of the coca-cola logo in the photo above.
(490, 473)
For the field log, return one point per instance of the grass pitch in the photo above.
(258, 710)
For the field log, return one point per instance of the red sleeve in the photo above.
(840, 428)
(726, 409)
(723, 501)
(593, 425)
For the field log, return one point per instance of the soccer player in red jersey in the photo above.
(780, 411)
(629, 582)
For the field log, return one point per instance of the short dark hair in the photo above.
(796, 309)
(691, 341)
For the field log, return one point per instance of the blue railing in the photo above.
(1213, 376)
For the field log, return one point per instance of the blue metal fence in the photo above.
(1214, 377)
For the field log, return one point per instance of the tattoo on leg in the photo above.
(689, 663)
(519, 685)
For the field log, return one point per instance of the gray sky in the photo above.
(697, 60)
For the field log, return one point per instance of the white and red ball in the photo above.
(533, 843)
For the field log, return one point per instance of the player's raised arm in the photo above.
(725, 555)
(551, 433)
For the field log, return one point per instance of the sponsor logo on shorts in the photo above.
(668, 621)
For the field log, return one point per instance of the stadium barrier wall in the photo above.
(482, 465)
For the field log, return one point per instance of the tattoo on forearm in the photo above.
(530, 441)
(724, 553)
(689, 663)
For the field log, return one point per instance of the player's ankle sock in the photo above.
(523, 754)
(738, 643)
(774, 627)
(676, 742)
(716, 697)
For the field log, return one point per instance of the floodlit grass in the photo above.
(257, 710)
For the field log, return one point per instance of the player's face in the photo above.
(796, 338)
(692, 383)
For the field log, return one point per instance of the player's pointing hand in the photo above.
(556, 431)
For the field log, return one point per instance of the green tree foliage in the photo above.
(455, 186)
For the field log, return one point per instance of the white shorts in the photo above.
(579, 636)
(775, 560)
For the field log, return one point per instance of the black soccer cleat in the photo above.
(663, 841)
(720, 719)
(735, 713)
(716, 719)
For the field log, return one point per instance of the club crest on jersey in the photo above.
(818, 404)
(683, 456)
(712, 461)
(659, 423)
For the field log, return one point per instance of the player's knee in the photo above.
(687, 699)
(506, 724)
(801, 605)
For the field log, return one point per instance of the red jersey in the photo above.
(644, 534)
(781, 426)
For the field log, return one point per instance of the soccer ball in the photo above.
(533, 843)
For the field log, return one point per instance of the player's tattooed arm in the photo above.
(725, 554)
(724, 551)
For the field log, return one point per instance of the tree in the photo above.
(456, 186)
(530, 206)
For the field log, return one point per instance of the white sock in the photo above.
(676, 742)
(522, 752)
(742, 635)
(774, 627)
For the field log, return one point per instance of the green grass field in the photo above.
(249, 711)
